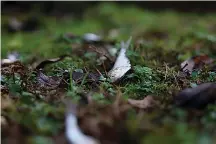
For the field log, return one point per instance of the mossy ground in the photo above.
(165, 40)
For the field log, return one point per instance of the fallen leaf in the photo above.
(104, 122)
(197, 97)
(122, 64)
(77, 76)
(147, 102)
(48, 82)
(42, 64)
(104, 53)
(13, 134)
(89, 77)
(195, 63)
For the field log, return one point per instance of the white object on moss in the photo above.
(73, 131)
(122, 64)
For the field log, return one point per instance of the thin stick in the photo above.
(104, 67)
(166, 71)
(84, 78)
(98, 71)
(91, 47)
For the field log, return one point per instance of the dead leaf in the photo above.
(42, 64)
(106, 123)
(197, 97)
(147, 102)
(60, 139)
(195, 63)
(103, 121)
(77, 76)
(89, 77)
(48, 82)
(13, 134)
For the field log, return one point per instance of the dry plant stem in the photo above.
(104, 67)
(166, 70)
(98, 71)
(95, 49)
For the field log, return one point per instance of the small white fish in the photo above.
(73, 132)
(122, 64)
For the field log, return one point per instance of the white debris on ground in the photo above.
(91, 37)
(73, 131)
(11, 57)
(122, 64)
(188, 65)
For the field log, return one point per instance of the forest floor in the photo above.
(56, 63)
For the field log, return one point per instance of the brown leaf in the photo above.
(198, 97)
(89, 77)
(101, 122)
(49, 61)
(195, 63)
(50, 82)
(14, 134)
(147, 102)
(60, 139)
